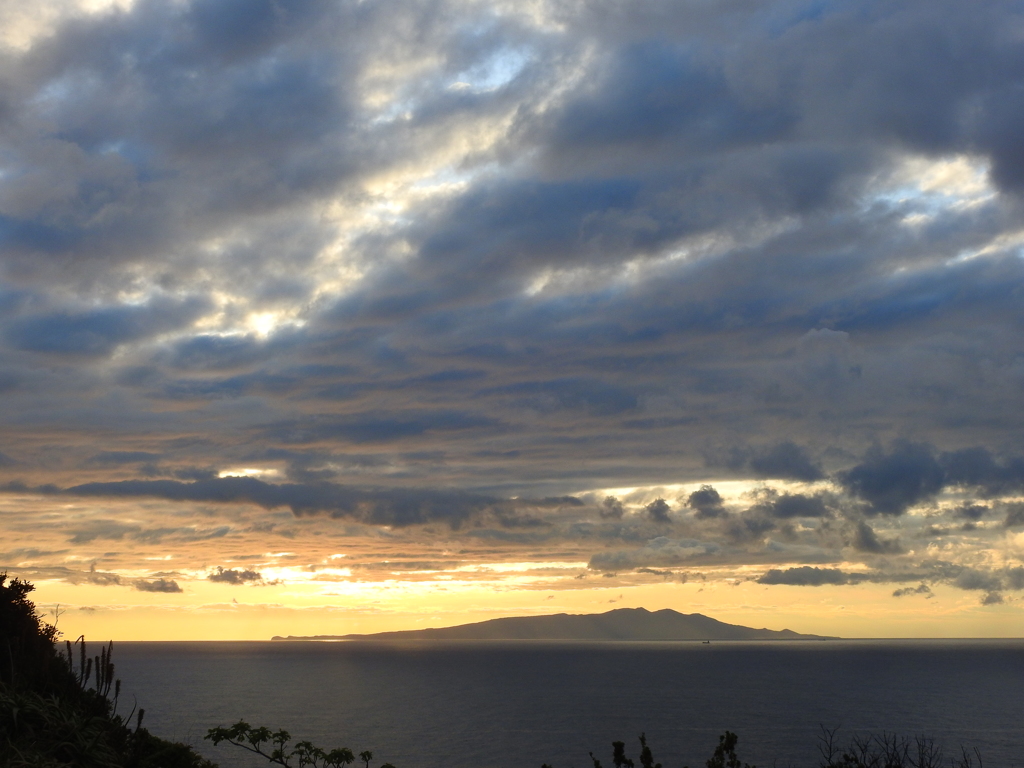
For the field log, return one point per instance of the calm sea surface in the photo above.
(516, 705)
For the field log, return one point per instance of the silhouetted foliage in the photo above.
(619, 759)
(725, 753)
(885, 751)
(646, 758)
(273, 745)
(889, 751)
(60, 710)
(27, 657)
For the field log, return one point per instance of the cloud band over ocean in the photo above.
(657, 286)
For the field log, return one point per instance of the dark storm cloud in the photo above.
(664, 574)
(658, 552)
(969, 511)
(891, 482)
(658, 511)
(382, 507)
(706, 502)
(157, 585)
(789, 505)
(1014, 514)
(207, 352)
(952, 574)
(911, 473)
(98, 332)
(970, 578)
(99, 578)
(977, 468)
(751, 526)
(536, 222)
(786, 461)
(920, 589)
(657, 90)
(806, 575)
(611, 507)
(1015, 578)
(235, 576)
(520, 521)
(866, 540)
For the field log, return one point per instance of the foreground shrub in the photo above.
(724, 755)
(889, 750)
(274, 747)
(886, 751)
(60, 709)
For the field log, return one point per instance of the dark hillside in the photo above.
(60, 709)
(621, 624)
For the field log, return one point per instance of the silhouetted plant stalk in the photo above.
(274, 747)
(886, 751)
(723, 757)
(58, 703)
(103, 667)
(889, 751)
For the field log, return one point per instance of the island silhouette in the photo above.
(623, 624)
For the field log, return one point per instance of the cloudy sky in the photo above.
(326, 317)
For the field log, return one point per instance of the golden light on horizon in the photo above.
(211, 611)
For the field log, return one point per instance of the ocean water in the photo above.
(515, 705)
